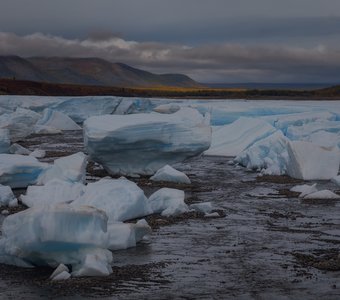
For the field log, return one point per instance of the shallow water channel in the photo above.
(268, 244)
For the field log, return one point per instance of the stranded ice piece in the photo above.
(143, 143)
(168, 173)
(311, 162)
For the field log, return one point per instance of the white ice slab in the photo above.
(311, 162)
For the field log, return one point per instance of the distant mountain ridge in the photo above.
(86, 71)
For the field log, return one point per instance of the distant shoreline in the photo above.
(32, 88)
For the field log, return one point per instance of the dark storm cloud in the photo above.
(217, 62)
(215, 40)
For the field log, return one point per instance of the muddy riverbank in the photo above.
(265, 244)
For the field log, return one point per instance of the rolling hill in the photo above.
(86, 71)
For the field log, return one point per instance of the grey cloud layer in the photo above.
(211, 62)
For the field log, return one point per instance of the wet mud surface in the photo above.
(266, 243)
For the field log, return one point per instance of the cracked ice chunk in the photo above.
(168, 202)
(20, 171)
(311, 162)
(4, 140)
(54, 235)
(168, 173)
(7, 197)
(70, 168)
(269, 154)
(53, 192)
(304, 189)
(121, 199)
(57, 120)
(230, 140)
(143, 143)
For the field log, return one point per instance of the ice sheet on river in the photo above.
(143, 143)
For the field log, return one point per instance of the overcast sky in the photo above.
(210, 40)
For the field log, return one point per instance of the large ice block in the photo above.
(143, 143)
(311, 162)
